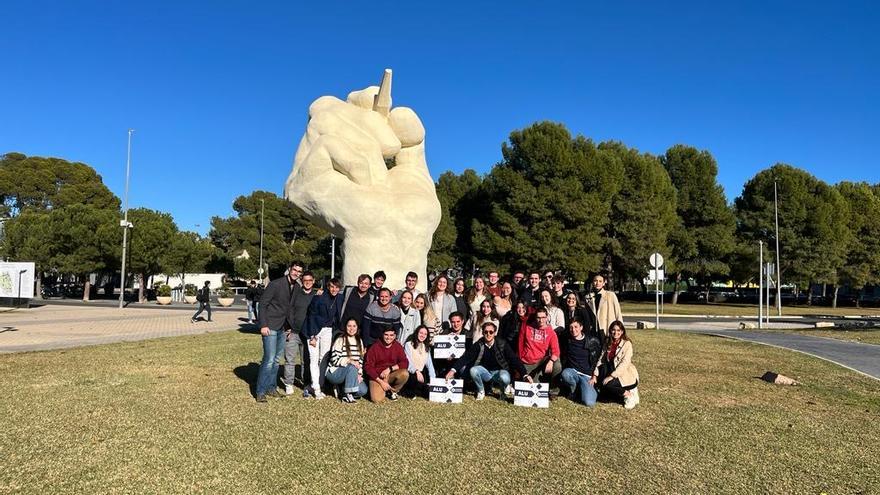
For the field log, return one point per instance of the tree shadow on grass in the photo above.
(248, 374)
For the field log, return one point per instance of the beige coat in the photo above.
(624, 369)
(608, 311)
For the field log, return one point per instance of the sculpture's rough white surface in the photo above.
(340, 179)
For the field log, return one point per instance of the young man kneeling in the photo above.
(490, 360)
(581, 357)
(386, 367)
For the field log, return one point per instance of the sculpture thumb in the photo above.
(382, 100)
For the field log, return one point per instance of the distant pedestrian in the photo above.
(249, 294)
(203, 296)
(258, 294)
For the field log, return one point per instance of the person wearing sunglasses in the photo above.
(490, 362)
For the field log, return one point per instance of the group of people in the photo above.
(367, 340)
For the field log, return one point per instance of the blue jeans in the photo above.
(347, 376)
(480, 375)
(578, 382)
(273, 349)
(250, 307)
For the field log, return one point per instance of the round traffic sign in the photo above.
(656, 260)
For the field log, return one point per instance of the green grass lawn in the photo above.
(720, 309)
(176, 416)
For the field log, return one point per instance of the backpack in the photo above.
(203, 295)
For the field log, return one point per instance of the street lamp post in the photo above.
(332, 256)
(778, 261)
(125, 224)
(760, 284)
(262, 212)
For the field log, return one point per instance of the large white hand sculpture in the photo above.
(341, 180)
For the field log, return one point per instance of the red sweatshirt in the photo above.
(534, 343)
(379, 358)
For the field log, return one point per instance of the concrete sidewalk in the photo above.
(62, 326)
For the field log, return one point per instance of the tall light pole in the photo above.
(760, 284)
(125, 224)
(332, 256)
(262, 212)
(778, 263)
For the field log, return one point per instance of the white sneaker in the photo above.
(319, 395)
(481, 395)
(629, 402)
(288, 389)
(508, 391)
(635, 395)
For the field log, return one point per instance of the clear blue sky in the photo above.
(218, 91)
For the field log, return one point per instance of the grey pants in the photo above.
(203, 306)
(293, 357)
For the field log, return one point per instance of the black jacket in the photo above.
(462, 306)
(529, 296)
(322, 313)
(300, 308)
(504, 354)
(277, 304)
(583, 355)
(583, 315)
(511, 324)
(250, 293)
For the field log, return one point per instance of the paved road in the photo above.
(857, 356)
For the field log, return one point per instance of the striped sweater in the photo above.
(342, 355)
(375, 321)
